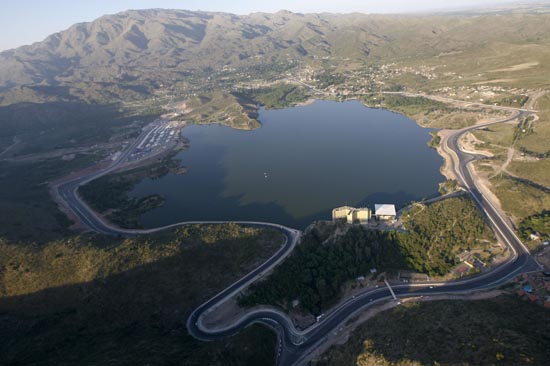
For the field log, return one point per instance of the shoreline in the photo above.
(306, 103)
(446, 168)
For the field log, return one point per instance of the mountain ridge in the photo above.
(129, 55)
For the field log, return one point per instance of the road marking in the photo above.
(391, 290)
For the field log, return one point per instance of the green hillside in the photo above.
(92, 300)
(501, 331)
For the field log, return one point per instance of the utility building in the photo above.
(351, 214)
(384, 211)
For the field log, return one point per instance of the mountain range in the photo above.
(129, 55)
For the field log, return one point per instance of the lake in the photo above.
(297, 167)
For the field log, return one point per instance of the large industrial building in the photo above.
(384, 211)
(352, 215)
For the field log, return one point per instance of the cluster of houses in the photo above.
(363, 215)
(534, 287)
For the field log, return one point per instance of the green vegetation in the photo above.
(499, 136)
(512, 101)
(536, 224)
(332, 254)
(524, 191)
(523, 128)
(223, 108)
(180, 53)
(54, 126)
(435, 141)
(93, 300)
(520, 198)
(541, 128)
(157, 57)
(110, 193)
(412, 105)
(278, 96)
(440, 231)
(27, 212)
(426, 112)
(501, 331)
(449, 186)
(537, 171)
(45, 133)
(320, 265)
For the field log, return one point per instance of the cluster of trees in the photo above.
(528, 152)
(517, 101)
(316, 271)
(327, 79)
(435, 141)
(401, 101)
(279, 96)
(106, 192)
(110, 192)
(437, 233)
(450, 185)
(523, 129)
(325, 259)
(535, 224)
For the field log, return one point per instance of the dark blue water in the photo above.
(302, 163)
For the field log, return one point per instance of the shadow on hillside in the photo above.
(52, 140)
(55, 125)
(135, 317)
(504, 331)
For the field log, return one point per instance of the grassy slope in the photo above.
(502, 331)
(536, 142)
(536, 171)
(426, 112)
(277, 96)
(169, 47)
(222, 108)
(96, 300)
(520, 198)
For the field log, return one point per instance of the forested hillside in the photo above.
(330, 255)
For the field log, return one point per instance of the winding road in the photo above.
(295, 345)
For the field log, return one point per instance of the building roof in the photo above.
(384, 210)
(350, 209)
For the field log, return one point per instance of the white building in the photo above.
(384, 211)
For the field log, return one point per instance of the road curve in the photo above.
(295, 345)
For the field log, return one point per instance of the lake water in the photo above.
(298, 166)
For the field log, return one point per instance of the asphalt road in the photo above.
(295, 345)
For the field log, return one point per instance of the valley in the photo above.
(168, 175)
